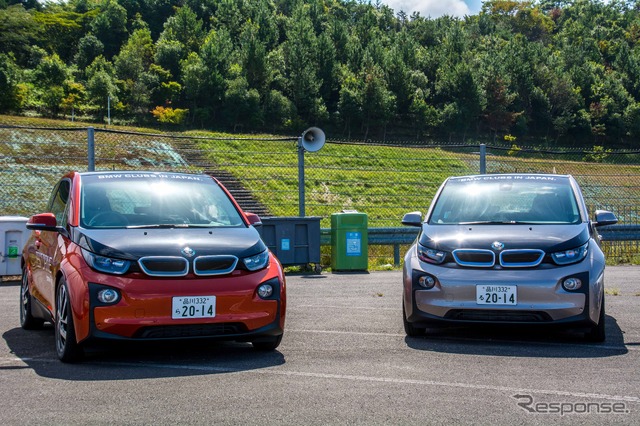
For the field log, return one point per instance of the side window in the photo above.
(59, 201)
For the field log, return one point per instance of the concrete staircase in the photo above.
(243, 196)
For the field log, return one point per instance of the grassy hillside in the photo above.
(383, 181)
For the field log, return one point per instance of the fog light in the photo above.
(265, 290)
(571, 284)
(108, 295)
(426, 281)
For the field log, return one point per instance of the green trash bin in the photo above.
(349, 241)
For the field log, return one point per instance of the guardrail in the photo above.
(406, 235)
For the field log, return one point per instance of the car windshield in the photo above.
(140, 200)
(506, 199)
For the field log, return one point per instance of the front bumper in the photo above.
(144, 310)
(541, 299)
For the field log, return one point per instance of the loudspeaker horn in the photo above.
(312, 139)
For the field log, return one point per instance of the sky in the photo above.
(436, 8)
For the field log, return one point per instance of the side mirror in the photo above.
(412, 219)
(604, 218)
(43, 222)
(253, 219)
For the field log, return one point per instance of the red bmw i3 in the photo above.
(149, 256)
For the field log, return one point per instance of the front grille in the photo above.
(527, 258)
(190, 330)
(474, 257)
(164, 266)
(482, 315)
(518, 258)
(214, 265)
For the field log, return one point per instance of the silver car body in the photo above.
(506, 249)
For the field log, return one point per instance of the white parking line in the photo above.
(471, 339)
(370, 308)
(278, 371)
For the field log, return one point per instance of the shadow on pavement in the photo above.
(134, 360)
(518, 341)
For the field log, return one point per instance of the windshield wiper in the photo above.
(498, 222)
(160, 226)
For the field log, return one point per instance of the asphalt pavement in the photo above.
(344, 360)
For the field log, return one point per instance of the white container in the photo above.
(13, 237)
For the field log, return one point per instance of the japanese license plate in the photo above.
(497, 295)
(193, 307)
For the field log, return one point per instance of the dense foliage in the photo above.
(533, 70)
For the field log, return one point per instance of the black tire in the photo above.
(67, 347)
(410, 329)
(597, 334)
(266, 345)
(27, 320)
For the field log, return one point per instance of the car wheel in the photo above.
(27, 320)
(409, 328)
(597, 332)
(267, 345)
(67, 347)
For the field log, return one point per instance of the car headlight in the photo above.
(105, 264)
(567, 257)
(430, 255)
(258, 261)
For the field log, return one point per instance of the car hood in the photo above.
(550, 238)
(132, 244)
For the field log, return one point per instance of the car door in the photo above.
(47, 246)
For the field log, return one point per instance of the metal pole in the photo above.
(91, 146)
(109, 110)
(300, 178)
(483, 159)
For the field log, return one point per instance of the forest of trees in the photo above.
(543, 71)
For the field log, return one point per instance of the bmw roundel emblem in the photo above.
(188, 251)
(497, 245)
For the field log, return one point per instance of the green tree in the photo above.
(184, 27)
(89, 48)
(195, 84)
(301, 59)
(183, 33)
(253, 54)
(10, 78)
(216, 54)
(350, 107)
(461, 98)
(242, 104)
(18, 30)
(101, 86)
(136, 55)
(131, 64)
(425, 116)
(110, 26)
(49, 78)
(60, 30)
(378, 102)
(279, 111)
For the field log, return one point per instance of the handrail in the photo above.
(407, 234)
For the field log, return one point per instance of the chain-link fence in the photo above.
(383, 180)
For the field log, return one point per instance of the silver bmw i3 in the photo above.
(506, 249)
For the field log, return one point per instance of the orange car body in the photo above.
(67, 248)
